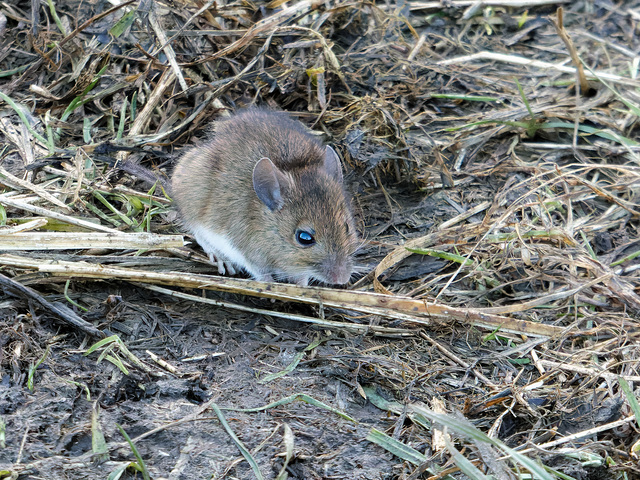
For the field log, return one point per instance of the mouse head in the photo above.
(310, 216)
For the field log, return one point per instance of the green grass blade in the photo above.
(56, 18)
(70, 300)
(440, 254)
(86, 130)
(291, 367)
(140, 465)
(524, 99)
(123, 119)
(631, 398)
(134, 106)
(395, 407)
(80, 99)
(463, 463)
(125, 22)
(245, 453)
(118, 471)
(292, 398)
(113, 209)
(82, 386)
(101, 343)
(23, 117)
(33, 368)
(98, 442)
(3, 433)
(464, 428)
(118, 363)
(629, 257)
(13, 71)
(395, 447)
(635, 109)
(614, 137)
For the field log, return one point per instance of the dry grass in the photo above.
(493, 156)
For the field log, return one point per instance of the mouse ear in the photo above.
(332, 164)
(266, 184)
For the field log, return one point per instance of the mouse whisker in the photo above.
(361, 269)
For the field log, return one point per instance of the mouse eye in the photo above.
(305, 238)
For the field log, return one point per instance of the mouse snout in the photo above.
(337, 271)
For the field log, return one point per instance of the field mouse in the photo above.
(265, 196)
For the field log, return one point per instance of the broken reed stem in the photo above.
(389, 306)
(562, 33)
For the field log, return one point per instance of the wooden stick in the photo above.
(80, 241)
(389, 306)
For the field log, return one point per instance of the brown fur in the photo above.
(213, 187)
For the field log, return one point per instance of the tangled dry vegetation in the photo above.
(491, 150)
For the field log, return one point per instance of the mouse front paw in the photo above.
(223, 267)
(220, 249)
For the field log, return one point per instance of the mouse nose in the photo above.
(337, 272)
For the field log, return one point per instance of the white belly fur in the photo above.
(220, 247)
